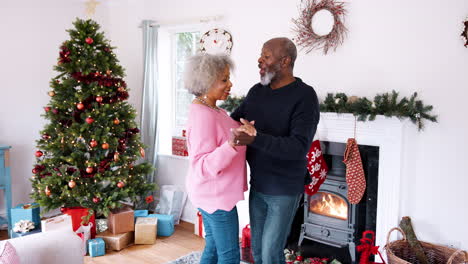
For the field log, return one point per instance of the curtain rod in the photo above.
(186, 21)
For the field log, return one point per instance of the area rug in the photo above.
(192, 258)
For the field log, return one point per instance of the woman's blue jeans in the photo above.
(271, 217)
(222, 237)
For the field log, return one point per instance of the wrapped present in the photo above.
(165, 224)
(101, 225)
(77, 213)
(140, 213)
(121, 220)
(179, 146)
(246, 255)
(199, 228)
(58, 222)
(29, 212)
(96, 247)
(145, 230)
(245, 242)
(116, 241)
(20, 234)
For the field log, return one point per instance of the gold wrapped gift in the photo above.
(116, 241)
(145, 230)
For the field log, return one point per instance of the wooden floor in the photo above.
(166, 249)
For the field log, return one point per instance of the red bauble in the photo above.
(96, 200)
(120, 184)
(105, 146)
(93, 143)
(89, 120)
(71, 184)
(63, 209)
(47, 108)
(80, 106)
(39, 154)
(116, 121)
(89, 170)
(120, 89)
(35, 171)
(45, 136)
(55, 111)
(99, 99)
(300, 258)
(89, 40)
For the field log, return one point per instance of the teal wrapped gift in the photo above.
(165, 224)
(19, 234)
(140, 213)
(96, 247)
(26, 212)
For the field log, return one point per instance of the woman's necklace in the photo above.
(205, 103)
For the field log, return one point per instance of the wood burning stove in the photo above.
(329, 218)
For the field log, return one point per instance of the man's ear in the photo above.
(286, 62)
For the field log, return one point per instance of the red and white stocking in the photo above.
(317, 168)
(354, 172)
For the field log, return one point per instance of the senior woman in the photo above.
(217, 174)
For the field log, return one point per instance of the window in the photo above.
(175, 45)
(185, 45)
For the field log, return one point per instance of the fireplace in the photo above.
(329, 218)
(385, 134)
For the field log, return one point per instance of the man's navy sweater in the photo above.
(286, 120)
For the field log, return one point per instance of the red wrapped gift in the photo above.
(245, 242)
(179, 146)
(199, 228)
(76, 214)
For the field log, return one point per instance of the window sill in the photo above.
(173, 156)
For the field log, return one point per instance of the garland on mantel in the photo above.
(386, 104)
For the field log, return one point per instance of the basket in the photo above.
(399, 252)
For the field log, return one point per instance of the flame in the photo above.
(329, 205)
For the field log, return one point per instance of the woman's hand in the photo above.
(247, 127)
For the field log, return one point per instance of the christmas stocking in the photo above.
(354, 172)
(317, 168)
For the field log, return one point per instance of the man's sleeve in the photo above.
(303, 125)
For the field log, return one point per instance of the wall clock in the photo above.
(216, 41)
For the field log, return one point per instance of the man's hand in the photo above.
(247, 127)
(241, 138)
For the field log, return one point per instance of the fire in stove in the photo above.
(329, 205)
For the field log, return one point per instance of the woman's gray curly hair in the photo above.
(202, 70)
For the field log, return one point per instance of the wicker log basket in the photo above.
(399, 252)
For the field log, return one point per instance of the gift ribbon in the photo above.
(367, 248)
(200, 224)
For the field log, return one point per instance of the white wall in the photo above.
(402, 45)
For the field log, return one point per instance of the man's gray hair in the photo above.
(202, 70)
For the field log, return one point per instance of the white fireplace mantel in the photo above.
(387, 134)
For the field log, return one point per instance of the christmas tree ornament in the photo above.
(105, 146)
(45, 136)
(71, 184)
(51, 93)
(120, 184)
(55, 111)
(93, 143)
(354, 172)
(99, 99)
(35, 171)
(89, 120)
(116, 121)
(47, 108)
(96, 200)
(47, 191)
(89, 40)
(116, 156)
(108, 72)
(121, 89)
(38, 154)
(89, 170)
(80, 106)
(317, 168)
(142, 152)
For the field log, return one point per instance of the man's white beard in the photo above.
(266, 79)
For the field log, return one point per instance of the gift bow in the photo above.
(367, 248)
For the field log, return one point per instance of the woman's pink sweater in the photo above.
(217, 177)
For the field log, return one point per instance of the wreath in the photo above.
(464, 34)
(305, 35)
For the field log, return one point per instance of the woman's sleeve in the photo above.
(209, 153)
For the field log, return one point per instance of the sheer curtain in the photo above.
(149, 106)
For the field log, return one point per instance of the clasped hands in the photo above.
(244, 134)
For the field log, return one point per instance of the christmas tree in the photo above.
(89, 150)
